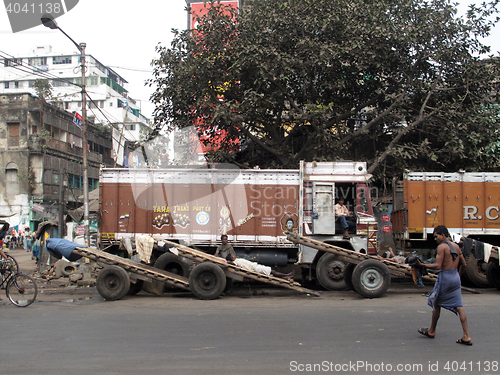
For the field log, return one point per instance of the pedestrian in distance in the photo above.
(447, 292)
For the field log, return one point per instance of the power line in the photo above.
(30, 71)
(132, 69)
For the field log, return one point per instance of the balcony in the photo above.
(37, 145)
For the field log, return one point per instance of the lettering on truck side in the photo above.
(492, 213)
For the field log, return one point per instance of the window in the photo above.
(36, 61)
(12, 62)
(16, 84)
(56, 60)
(6, 85)
(59, 83)
(11, 179)
(363, 201)
(75, 181)
(13, 129)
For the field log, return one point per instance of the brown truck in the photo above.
(467, 203)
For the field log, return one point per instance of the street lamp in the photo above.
(48, 21)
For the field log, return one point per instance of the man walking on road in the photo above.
(447, 290)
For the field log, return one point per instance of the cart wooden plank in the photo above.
(134, 267)
(351, 256)
(199, 256)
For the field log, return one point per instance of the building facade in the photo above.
(41, 159)
(109, 101)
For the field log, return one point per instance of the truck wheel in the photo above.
(172, 263)
(348, 270)
(330, 272)
(135, 287)
(371, 278)
(112, 283)
(476, 271)
(207, 281)
(493, 274)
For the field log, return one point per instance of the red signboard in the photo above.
(386, 218)
(386, 229)
(200, 8)
(216, 138)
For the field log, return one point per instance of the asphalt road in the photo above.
(254, 331)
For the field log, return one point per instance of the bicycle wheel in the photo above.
(14, 267)
(21, 290)
(10, 264)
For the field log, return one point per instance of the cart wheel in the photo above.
(112, 283)
(493, 274)
(371, 278)
(173, 264)
(135, 287)
(330, 272)
(348, 270)
(207, 281)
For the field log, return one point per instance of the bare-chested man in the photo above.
(447, 291)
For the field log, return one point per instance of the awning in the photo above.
(77, 214)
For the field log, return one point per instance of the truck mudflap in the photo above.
(231, 269)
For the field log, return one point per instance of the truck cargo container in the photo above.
(467, 203)
(195, 206)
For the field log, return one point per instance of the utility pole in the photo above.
(61, 205)
(48, 21)
(85, 150)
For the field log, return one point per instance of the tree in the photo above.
(43, 89)
(397, 83)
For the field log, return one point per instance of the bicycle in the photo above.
(21, 289)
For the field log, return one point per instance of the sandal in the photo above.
(461, 341)
(425, 332)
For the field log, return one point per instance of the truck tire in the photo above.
(135, 287)
(493, 274)
(348, 270)
(371, 278)
(330, 272)
(476, 271)
(112, 283)
(68, 269)
(172, 263)
(207, 281)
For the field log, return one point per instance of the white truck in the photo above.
(255, 208)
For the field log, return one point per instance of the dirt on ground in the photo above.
(52, 287)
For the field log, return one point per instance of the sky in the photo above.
(121, 34)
